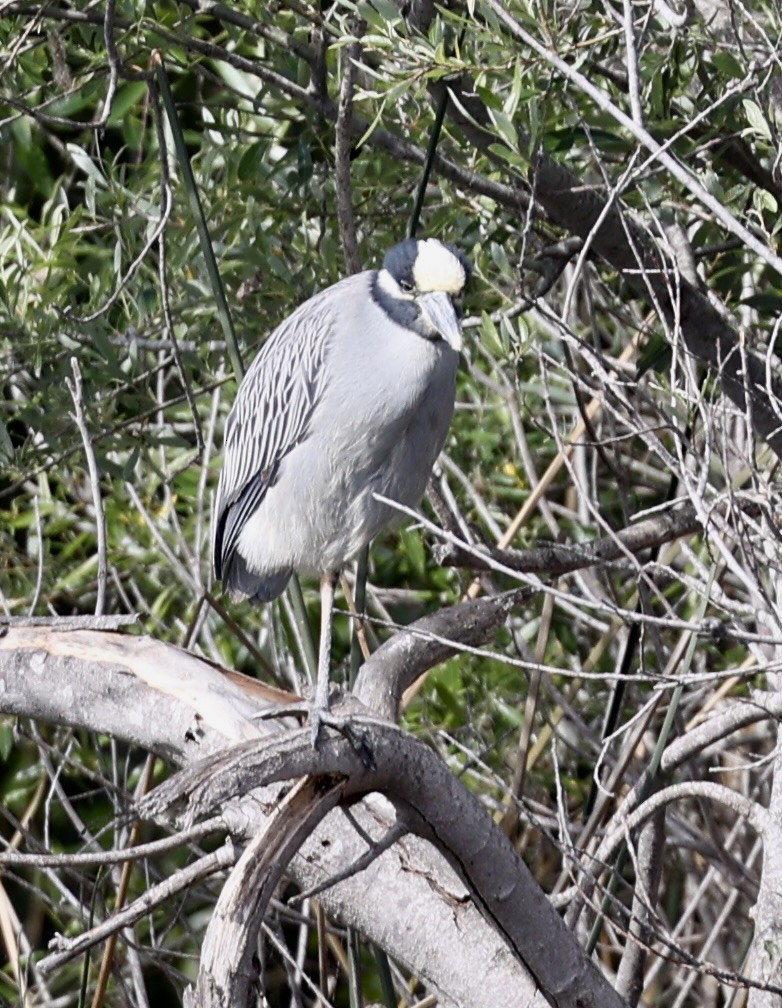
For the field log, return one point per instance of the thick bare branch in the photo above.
(345, 216)
(558, 559)
(226, 975)
(433, 803)
(184, 708)
(384, 677)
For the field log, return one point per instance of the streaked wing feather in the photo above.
(270, 417)
(233, 518)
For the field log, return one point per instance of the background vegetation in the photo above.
(114, 353)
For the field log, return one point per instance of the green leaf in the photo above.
(505, 128)
(727, 64)
(513, 715)
(126, 97)
(381, 14)
(763, 201)
(78, 576)
(491, 336)
(766, 304)
(414, 548)
(84, 162)
(6, 738)
(511, 156)
(489, 98)
(756, 119)
(656, 356)
(511, 103)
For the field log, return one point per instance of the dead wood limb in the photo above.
(398, 663)
(432, 803)
(227, 974)
(556, 559)
(89, 680)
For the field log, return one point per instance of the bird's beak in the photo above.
(438, 309)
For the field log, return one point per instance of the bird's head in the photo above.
(420, 285)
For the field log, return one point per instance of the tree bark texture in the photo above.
(190, 713)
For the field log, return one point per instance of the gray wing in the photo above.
(270, 416)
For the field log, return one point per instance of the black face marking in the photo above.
(399, 262)
(400, 310)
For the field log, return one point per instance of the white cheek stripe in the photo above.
(389, 286)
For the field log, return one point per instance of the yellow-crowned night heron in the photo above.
(349, 397)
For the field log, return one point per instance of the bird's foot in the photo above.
(321, 718)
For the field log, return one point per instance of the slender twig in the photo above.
(111, 857)
(113, 60)
(133, 422)
(207, 250)
(303, 625)
(77, 394)
(169, 329)
(394, 833)
(647, 865)
(510, 817)
(677, 170)
(545, 481)
(122, 281)
(562, 558)
(297, 977)
(359, 642)
(39, 564)
(507, 195)
(189, 578)
(632, 641)
(349, 55)
(615, 837)
(181, 881)
(386, 977)
(122, 889)
(355, 999)
(631, 61)
(204, 501)
(243, 637)
(603, 606)
(434, 137)
(650, 774)
(271, 32)
(323, 959)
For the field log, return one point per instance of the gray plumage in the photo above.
(350, 396)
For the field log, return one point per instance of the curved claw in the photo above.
(320, 718)
(356, 738)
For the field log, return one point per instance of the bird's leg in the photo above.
(320, 706)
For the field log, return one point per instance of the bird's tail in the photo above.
(258, 587)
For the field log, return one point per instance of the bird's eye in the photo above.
(406, 286)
